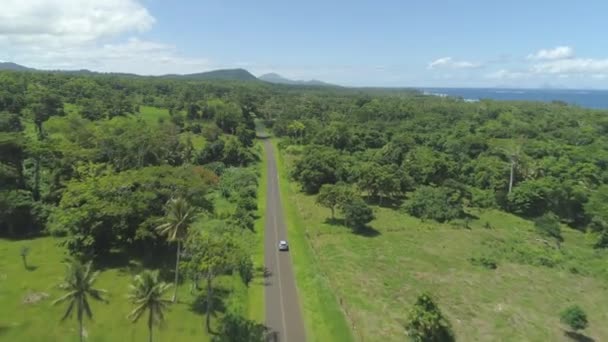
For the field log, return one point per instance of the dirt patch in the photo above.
(33, 298)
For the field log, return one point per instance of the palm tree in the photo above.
(513, 152)
(146, 293)
(78, 283)
(178, 216)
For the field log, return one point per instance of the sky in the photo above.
(389, 43)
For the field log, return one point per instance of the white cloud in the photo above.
(131, 56)
(504, 74)
(560, 52)
(79, 34)
(450, 63)
(70, 21)
(573, 66)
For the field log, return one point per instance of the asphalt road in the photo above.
(283, 315)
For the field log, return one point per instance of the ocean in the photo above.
(597, 99)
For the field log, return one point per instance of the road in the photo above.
(283, 315)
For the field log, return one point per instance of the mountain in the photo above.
(223, 74)
(278, 79)
(13, 67)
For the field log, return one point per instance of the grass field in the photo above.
(323, 318)
(40, 321)
(152, 115)
(377, 278)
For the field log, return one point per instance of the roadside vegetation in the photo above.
(494, 209)
(148, 195)
(409, 216)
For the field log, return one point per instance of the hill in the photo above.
(278, 79)
(222, 74)
(13, 66)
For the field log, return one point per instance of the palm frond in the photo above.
(68, 311)
(65, 297)
(87, 308)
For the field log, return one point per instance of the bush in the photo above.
(437, 203)
(357, 213)
(236, 329)
(548, 225)
(247, 203)
(425, 322)
(484, 262)
(483, 198)
(574, 317)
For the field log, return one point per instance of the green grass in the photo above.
(257, 287)
(323, 317)
(40, 321)
(378, 278)
(153, 114)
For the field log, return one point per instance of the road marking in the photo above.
(276, 253)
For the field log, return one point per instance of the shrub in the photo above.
(548, 226)
(484, 262)
(357, 213)
(437, 203)
(574, 317)
(425, 322)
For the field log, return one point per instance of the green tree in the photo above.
(331, 196)
(146, 293)
(513, 152)
(317, 166)
(426, 323)
(574, 317)
(548, 226)
(380, 181)
(597, 206)
(238, 329)
(179, 214)
(427, 166)
(296, 130)
(437, 203)
(357, 213)
(245, 135)
(79, 286)
(211, 255)
(227, 117)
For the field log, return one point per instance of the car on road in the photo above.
(283, 246)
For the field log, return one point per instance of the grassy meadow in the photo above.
(376, 277)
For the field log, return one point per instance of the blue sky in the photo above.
(359, 43)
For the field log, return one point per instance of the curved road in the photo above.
(283, 314)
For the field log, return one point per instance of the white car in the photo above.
(283, 246)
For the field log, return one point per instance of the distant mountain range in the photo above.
(14, 67)
(223, 74)
(278, 79)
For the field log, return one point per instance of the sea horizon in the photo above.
(587, 98)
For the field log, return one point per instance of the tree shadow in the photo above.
(575, 336)
(237, 328)
(4, 329)
(332, 221)
(386, 202)
(199, 305)
(266, 273)
(112, 259)
(366, 231)
(470, 216)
